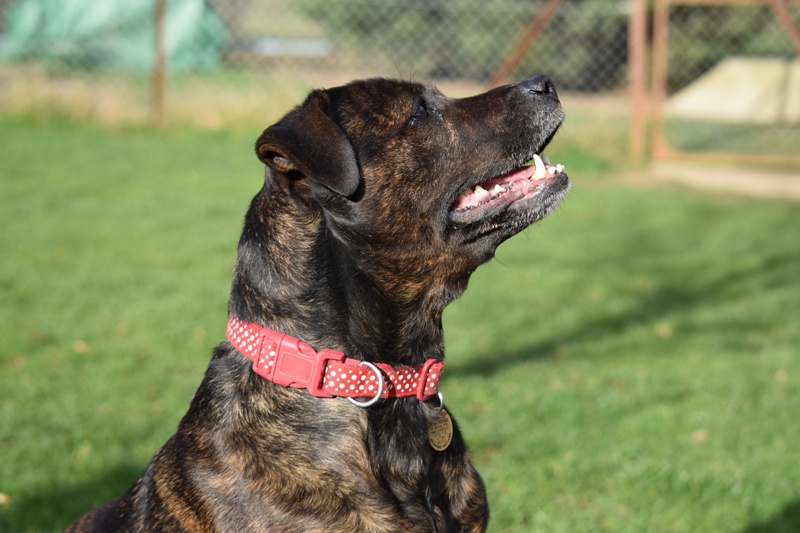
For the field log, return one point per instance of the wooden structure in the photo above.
(650, 57)
(648, 107)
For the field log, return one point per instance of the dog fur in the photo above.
(353, 244)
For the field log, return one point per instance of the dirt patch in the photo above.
(750, 182)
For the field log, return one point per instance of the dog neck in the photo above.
(295, 276)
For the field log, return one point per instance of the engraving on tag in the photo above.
(440, 431)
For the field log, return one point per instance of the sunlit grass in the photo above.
(630, 364)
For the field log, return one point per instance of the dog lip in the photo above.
(492, 196)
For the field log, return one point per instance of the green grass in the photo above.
(766, 139)
(629, 365)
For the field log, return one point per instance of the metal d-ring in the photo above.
(377, 396)
(441, 403)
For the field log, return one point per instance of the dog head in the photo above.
(404, 175)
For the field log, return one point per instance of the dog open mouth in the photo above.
(494, 195)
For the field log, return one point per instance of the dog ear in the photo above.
(308, 142)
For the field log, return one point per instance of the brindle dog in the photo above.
(369, 223)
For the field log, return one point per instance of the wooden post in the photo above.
(780, 8)
(659, 83)
(159, 63)
(533, 30)
(637, 58)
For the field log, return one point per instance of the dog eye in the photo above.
(420, 113)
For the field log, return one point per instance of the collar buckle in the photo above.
(298, 365)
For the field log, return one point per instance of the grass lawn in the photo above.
(631, 364)
(771, 139)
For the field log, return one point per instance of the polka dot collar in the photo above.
(289, 362)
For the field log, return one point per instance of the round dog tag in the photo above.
(440, 431)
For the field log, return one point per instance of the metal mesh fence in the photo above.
(250, 60)
(731, 79)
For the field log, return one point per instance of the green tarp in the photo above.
(113, 34)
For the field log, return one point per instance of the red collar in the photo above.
(289, 362)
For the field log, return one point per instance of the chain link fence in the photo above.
(731, 78)
(233, 61)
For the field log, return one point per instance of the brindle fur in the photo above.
(347, 246)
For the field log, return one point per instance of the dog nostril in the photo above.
(541, 85)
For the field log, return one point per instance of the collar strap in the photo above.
(290, 362)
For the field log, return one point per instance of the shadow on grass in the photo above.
(787, 522)
(57, 507)
(667, 299)
(662, 301)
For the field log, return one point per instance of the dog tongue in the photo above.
(486, 190)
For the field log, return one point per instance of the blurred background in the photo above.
(697, 68)
(631, 363)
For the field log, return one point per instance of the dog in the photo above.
(321, 411)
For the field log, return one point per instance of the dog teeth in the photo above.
(540, 172)
(497, 189)
(545, 159)
(559, 168)
(479, 190)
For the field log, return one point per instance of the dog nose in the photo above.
(541, 85)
